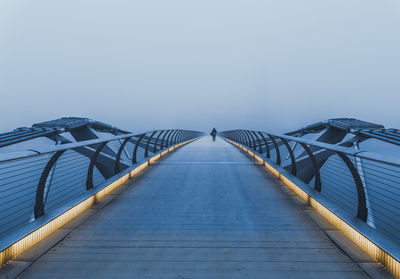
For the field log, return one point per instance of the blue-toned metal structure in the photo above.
(344, 167)
(327, 157)
(79, 155)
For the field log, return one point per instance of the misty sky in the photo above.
(141, 65)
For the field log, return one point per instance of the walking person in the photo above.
(213, 134)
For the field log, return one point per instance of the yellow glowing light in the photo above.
(40, 233)
(376, 252)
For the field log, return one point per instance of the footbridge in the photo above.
(83, 199)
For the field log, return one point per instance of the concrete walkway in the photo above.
(204, 211)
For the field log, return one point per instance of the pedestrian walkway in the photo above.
(204, 211)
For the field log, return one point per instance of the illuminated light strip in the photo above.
(373, 249)
(43, 231)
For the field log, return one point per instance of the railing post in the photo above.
(292, 158)
(266, 144)
(175, 137)
(134, 154)
(162, 141)
(38, 209)
(168, 138)
(259, 142)
(242, 137)
(362, 210)
(239, 136)
(278, 154)
(317, 176)
(253, 139)
(156, 143)
(247, 138)
(89, 179)
(171, 141)
(146, 152)
(118, 159)
(179, 137)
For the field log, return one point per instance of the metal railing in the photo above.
(33, 184)
(360, 183)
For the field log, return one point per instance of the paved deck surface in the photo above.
(204, 211)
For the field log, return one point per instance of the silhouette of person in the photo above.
(213, 134)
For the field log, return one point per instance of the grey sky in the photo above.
(269, 65)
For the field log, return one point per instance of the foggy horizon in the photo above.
(259, 197)
(275, 66)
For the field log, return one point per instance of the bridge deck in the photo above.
(205, 211)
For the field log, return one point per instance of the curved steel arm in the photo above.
(176, 140)
(245, 140)
(239, 136)
(176, 137)
(266, 144)
(156, 143)
(89, 179)
(362, 210)
(342, 152)
(118, 159)
(292, 158)
(38, 209)
(252, 139)
(173, 134)
(168, 138)
(134, 159)
(317, 176)
(259, 142)
(278, 154)
(146, 152)
(179, 136)
(163, 138)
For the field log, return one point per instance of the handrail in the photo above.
(364, 154)
(353, 179)
(33, 184)
(356, 190)
(67, 146)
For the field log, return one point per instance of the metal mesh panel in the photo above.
(374, 184)
(129, 147)
(140, 154)
(338, 185)
(18, 184)
(98, 178)
(285, 156)
(272, 151)
(114, 145)
(66, 177)
(382, 182)
(67, 180)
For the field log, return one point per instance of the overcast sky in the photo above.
(139, 65)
